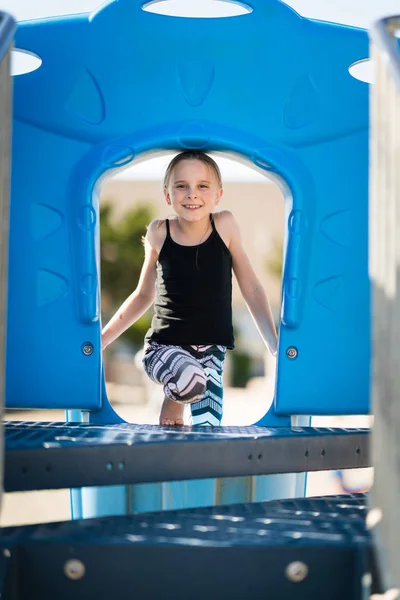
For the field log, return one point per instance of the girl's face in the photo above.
(193, 190)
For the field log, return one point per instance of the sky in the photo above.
(357, 13)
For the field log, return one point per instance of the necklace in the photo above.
(203, 236)
(198, 246)
(208, 227)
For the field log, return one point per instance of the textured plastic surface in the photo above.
(57, 455)
(247, 550)
(116, 84)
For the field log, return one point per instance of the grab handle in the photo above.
(88, 301)
(293, 282)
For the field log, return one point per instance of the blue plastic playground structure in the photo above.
(272, 89)
(116, 85)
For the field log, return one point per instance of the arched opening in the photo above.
(132, 197)
(208, 9)
(23, 62)
(363, 70)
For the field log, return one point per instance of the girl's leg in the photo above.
(182, 376)
(208, 411)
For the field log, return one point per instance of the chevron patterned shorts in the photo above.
(190, 375)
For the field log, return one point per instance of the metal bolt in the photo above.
(291, 352)
(296, 571)
(74, 569)
(87, 349)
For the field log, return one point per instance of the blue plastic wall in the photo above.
(270, 86)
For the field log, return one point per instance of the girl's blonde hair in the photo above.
(192, 155)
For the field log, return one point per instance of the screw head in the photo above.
(292, 352)
(74, 569)
(87, 349)
(296, 571)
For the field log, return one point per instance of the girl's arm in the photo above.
(250, 286)
(141, 299)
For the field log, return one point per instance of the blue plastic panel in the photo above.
(117, 84)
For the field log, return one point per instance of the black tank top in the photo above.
(193, 302)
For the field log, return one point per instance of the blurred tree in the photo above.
(274, 260)
(274, 266)
(122, 255)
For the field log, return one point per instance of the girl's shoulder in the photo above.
(224, 217)
(156, 234)
(226, 225)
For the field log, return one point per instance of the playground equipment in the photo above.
(114, 87)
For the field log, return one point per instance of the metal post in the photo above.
(384, 269)
(7, 28)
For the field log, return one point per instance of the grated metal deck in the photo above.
(236, 552)
(62, 455)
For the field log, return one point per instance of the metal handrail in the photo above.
(7, 31)
(383, 36)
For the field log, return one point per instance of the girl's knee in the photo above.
(191, 384)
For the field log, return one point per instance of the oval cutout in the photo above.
(208, 9)
(363, 70)
(23, 62)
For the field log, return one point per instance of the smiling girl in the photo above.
(187, 273)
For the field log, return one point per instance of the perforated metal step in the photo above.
(61, 455)
(237, 551)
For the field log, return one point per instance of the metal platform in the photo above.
(308, 548)
(63, 455)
